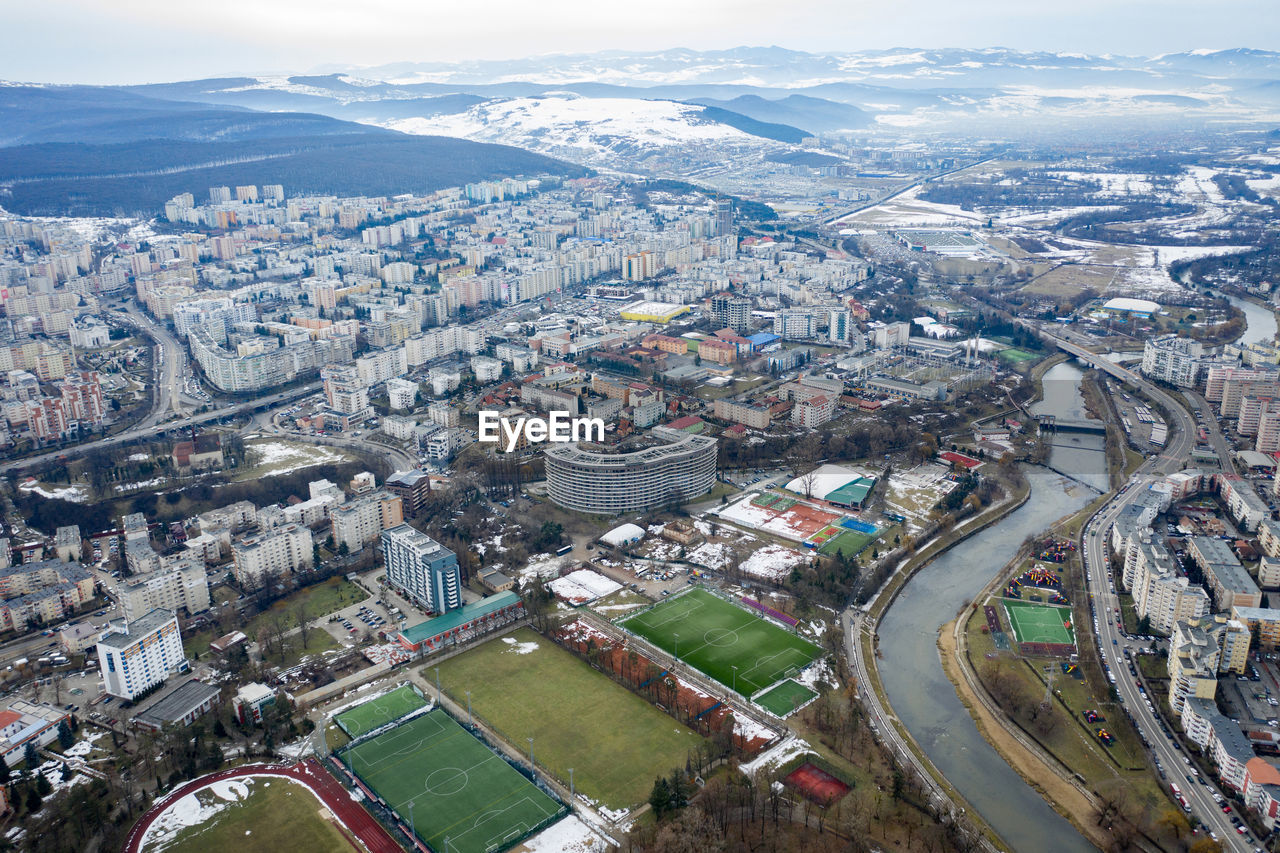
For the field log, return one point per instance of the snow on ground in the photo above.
(817, 674)
(570, 835)
(139, 457)
(141, 484)
(74, 494)
(194, 809)
(518, 647)
(594, 126)
(745, 512)
(713, 555)
(543, 565)
(84, 746)
(773, 561)
(749, 729)
(790, 747)
(583, 586)
(282, 458)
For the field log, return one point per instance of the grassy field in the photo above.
(785, 698)
(319, 600)
(283, 818)
(1016, 356)
(715, 636)
(616, 742)
(437, 776)
(1038, 623)
(363, 719)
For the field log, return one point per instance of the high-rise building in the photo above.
(421, 569)
(179, 583)
(136, 656)
(729, 311)
(724, 216)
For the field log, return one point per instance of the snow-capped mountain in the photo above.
(605, 132)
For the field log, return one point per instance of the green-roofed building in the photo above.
(468, 621)
(852, 494)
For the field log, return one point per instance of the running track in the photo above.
(354, 819)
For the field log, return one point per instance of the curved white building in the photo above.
(614, 483)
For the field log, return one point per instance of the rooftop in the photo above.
(456, 618)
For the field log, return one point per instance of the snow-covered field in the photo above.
(74, 494)
(773, 562)
(194, 809)
(272, 458)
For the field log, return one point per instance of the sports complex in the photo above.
(741, 650)
(447, 787)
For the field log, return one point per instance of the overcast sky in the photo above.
(135, 41)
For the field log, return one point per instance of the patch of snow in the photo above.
(773, 561)
(790, 747)
(518, 647)
(570, 835)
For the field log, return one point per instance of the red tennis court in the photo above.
(817, 784)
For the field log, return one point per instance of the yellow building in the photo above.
(653, 312)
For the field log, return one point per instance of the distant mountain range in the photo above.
(659, 112)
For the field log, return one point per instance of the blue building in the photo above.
(421, 569)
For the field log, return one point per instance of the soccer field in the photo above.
(616, 742)
(438, 777)
(783, 700)
(715, 636)
(1039, 623)
(375, 713)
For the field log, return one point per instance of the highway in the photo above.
(1182, 429)
(150, 431)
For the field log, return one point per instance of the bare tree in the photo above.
(301, 614)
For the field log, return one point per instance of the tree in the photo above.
(660, 797)
(30, 757)
(34, 800)
(65, 737)
(300, 612)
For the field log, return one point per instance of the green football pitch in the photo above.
(379, 711)
(783, 700)
(718, 638)
(446, 784)
(1039, 623)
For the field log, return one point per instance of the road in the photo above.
(855, 624)
(1182, 429)
(150, 431)
(1111, 641)
(844, 214)
(168, 369)
(1217, 440)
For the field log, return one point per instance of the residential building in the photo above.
(1173, 360)
(178, 584)
(413, 488)
(1230, 584)
(136, 656)
(272, 553)
(680, 467)
(421, 569)
(362, 520)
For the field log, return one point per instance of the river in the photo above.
(919, 691)
(1082, 454)
(1260, 322)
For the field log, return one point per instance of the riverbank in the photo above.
(1065, 798)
